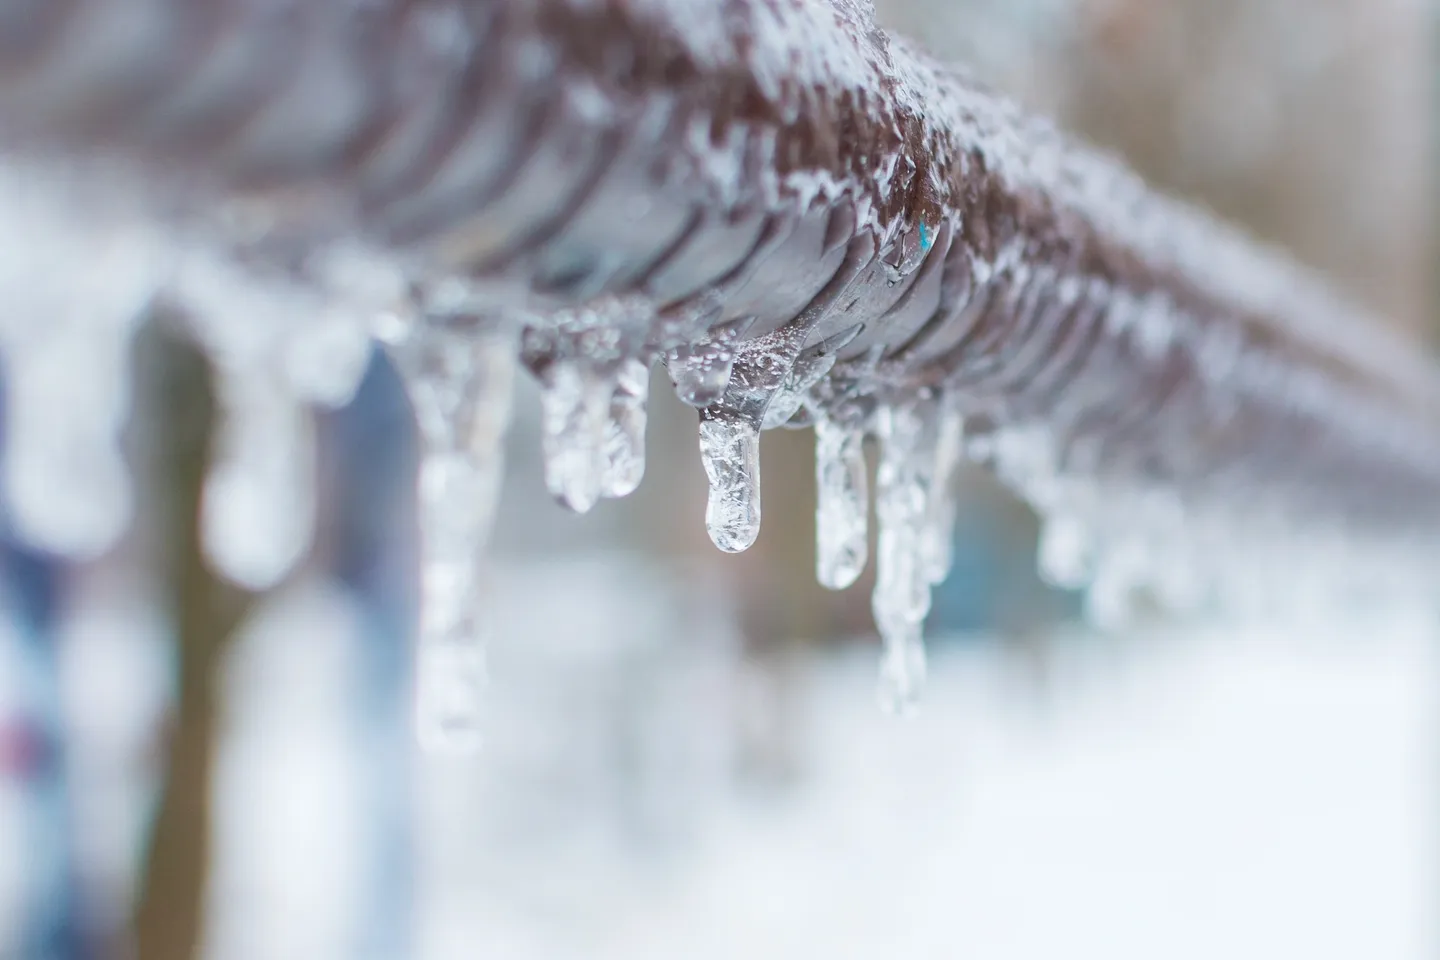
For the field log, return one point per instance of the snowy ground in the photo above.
(1202, 794)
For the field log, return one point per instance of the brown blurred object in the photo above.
(1308, 121)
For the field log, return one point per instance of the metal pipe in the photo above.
(665, 168)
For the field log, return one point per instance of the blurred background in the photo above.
(682, 753)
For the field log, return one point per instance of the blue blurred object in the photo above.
(369, 542)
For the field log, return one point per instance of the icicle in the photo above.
(65, 478)
(460, 382)
(842, 503)
(625, 432)
(1064, 556)
(258, 512)
(325, 358)
(937, 544)
(576, 405)
(730, 436)
(701, 372)
(730, 452)
(1121, 574)
(78, 268)
(902, 591)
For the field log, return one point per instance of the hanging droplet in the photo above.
(460, 381)
(901, 599)
(701, 371)
(625, 432)
(730, 452)
(842, 503)
(576, 409)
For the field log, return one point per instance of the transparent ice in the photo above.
(730, 453)
(460, 376)
(842, 504)
(901, 599)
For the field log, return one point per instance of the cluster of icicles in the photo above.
(281, 343)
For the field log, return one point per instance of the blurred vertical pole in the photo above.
(175, 404)
(36, 752)
(368, 543)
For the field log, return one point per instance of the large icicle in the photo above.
(258, 512)
(842, 503)
(901, 599)
(459, 374)
(730, 437)
(78, 273)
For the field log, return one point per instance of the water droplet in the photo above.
(730, 452)
(842, 503)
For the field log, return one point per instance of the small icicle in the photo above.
(901, 599)
(576, 406)
(1122, 572)
(938, 543)
(701, 372)
(842, 503)
(325, 358)
(460, 383)
(1065, 555)
(258, 512)
(730, 452)
(625, 432)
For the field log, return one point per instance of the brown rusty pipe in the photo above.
(692, 164)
